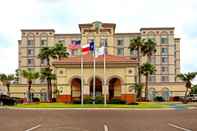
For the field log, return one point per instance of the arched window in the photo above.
(164, 38)
(151, 35)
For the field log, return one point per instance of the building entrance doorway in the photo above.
(98, 87)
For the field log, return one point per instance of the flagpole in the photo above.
(94, 77)
(81, 78)
(105, 93)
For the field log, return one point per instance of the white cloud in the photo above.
(65, 15)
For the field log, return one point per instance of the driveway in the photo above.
(98, 120)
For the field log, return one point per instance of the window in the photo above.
(120, 43)
(152, 78)
(43, 62)
(30, 62)
(152, 59)
(164, 69)
(164, 51)
(120, 51)
(164, 78)
(164, 60)
(30, 52)
(43, 42)
(103, 42)
(30, 43)
(164, 39)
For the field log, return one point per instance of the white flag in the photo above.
(100, 51)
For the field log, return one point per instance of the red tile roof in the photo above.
(89, 59)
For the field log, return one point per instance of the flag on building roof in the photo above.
(88, 48)
(85, 49)
(100, 51)
(75, 44)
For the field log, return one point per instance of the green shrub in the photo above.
(117, 101)
(99, 100)
(159, 99)
(87, 100)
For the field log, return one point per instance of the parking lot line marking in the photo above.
(106, 128)
(178, 127)
(35, 127)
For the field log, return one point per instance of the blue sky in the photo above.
(65, 15)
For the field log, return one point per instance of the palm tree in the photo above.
(149, 47)
(60, 51)
(187, 78)
(46, 74)
(6, 80)
(138, 89)
(46, 53)
(147, 69)
(17, 75)
(30, 76)
(137, 44)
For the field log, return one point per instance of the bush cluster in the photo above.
(159, 99)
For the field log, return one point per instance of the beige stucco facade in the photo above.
(166, 59)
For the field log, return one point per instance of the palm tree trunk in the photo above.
(49, 90)
(29, 91)
(139, 71)
(146, 88)
(8, 89)
(186, 92)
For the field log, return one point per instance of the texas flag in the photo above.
(88, 47)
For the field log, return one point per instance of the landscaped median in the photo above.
(141, 105)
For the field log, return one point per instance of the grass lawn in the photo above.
(142, 105)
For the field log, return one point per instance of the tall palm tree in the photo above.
(187, 78)
(60, 51)
(46, 53)
(149, 47)
(147, 69)
(6, 80)
(136, 44)
(30, 76)
(46, 74)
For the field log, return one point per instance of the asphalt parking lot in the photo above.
(98, 120)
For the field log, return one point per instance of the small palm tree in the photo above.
(30, 76)
(6, 80)
(138, 89)
(46, 74)
(60, 51)
(147, 69)
(187, 78)
(137, 44)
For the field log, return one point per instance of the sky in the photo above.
(65, 15)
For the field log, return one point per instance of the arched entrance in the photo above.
(165, 92)
(114, 88)
(151, 93)
(43, 95)
(98, 87)
(75, 88)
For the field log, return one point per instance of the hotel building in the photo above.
(121, 64)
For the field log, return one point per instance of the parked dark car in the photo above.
(6, 100)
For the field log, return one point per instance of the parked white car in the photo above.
(192, 97)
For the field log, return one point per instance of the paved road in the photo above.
(98, 120)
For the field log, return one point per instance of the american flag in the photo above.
(75, 44)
